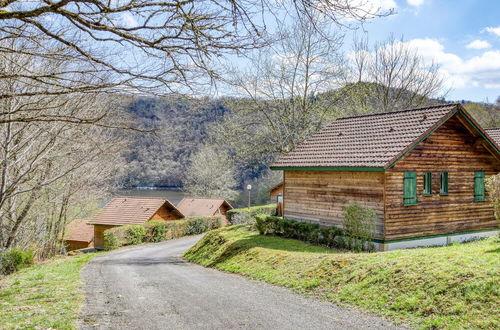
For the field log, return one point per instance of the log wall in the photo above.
(99, 235)
(322, 196)
(77, 245)
(164, 214)
(454, 149)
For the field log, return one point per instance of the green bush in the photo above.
(156, 231)
(359, 226)
(111, 240)
(493, 188)
(304, 231)
(247, 215)
(12, 260)
(135, 234)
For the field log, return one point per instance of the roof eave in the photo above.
(329, 168)
(458, 110)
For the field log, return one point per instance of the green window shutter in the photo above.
(427, 183)
(410, 188)
(444, 183)
(479, 186)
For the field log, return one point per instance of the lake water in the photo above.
(174, 196)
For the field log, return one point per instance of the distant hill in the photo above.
(183, 124)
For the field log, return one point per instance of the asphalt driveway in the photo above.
(152, 287)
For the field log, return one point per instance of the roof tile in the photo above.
(200, 206)
(364, 141)
(122, 211)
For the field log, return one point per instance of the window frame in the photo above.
(444, 183)
(409, 186)
(479, 175)
(427, 183)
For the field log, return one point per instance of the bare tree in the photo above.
(148, 45)
(390, 76)
(211, 174)
(38, 152)
(279, 99)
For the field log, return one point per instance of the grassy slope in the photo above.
(43, 296)
(455, 286)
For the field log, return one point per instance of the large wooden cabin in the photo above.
(122, 211)
(423, 171)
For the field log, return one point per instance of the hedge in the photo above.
(332, 237)
(156, 231)
(247, 215)
(12, 260)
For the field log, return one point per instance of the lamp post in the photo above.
(249, 188)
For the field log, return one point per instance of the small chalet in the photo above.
(192, 207)
(422, 171)
(122, 211)
(79, 235)
(276, 193)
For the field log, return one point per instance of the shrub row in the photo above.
(156, 231)
(332, 237)
(12, 260)
(247, 215)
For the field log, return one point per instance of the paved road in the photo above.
(151, 287)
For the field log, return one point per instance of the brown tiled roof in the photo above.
(366, 141)
(494, 133)
(201, 206)
(78, 230)
(130, 210)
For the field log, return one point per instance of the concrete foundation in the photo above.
(434, 241)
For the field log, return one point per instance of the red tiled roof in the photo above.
(367, 141)
(494, 133)
(130, 211)
(78, 230)
(201, 206)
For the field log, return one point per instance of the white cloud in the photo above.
(415, 3)
(478, 44)
(481, 71)
(494, 30)
(129, 20)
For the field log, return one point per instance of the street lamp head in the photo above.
(249, 187)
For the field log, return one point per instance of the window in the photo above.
(478, 186)
(427, 184)
(444, 184)
(410, 188)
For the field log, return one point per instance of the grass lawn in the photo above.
(43, 296)
(455, 286)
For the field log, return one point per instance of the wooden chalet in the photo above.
(422, 171)
(276, 193)
(79, 235)
(122, 211)
(192, 207)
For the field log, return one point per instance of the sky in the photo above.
(462, 36)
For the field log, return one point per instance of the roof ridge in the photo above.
(400, 111)
(218, 199)
(140, 197)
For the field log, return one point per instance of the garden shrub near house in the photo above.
(248, 214)
(155, 231)
(359, 227)
(12, 260)
(493, 185)
(304, 231)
